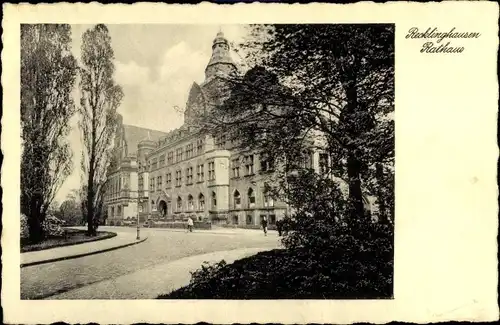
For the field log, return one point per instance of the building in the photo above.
(186, 172)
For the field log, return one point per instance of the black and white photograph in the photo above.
(207, 161)
(249, 163)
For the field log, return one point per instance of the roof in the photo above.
(134, 135)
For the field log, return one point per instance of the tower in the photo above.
(221, 61)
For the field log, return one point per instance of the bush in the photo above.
(52, 226)
(24, 227)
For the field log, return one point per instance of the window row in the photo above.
(191, 205)
(245, 166)
(186, 152)
(157, 182)
(268, 201)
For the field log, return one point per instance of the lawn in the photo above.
(72, 237)
(295, 274)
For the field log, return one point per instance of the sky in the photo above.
(155, 65)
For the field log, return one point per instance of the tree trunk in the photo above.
(90, 200)
(381, 199)
(355, 194)
(35, 229)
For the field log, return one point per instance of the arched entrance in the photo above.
(163, 208)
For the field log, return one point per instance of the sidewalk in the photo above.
(221, 231)
(122, 239)
(150, 283)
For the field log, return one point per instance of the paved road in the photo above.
(46, 280)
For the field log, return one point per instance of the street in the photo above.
(162, 246)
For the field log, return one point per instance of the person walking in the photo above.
(190, 224)
(264, 225)
(279, 227)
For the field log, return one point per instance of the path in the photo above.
(150, 283)
(122, 239)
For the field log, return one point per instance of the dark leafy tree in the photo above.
(321, 87)
(100, 98)
(48, 73)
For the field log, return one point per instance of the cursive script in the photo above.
(435, 37)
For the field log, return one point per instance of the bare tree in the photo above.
(48, 74)
(100, 98)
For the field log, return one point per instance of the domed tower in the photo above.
(221, 61)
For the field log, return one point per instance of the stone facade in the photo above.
(186, 172)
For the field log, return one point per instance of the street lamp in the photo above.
(139, 209)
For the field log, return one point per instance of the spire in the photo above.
(221, 60)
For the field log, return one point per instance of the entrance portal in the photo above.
(163, 208)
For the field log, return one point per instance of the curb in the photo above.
(57, 259)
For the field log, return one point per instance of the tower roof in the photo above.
(220, 52)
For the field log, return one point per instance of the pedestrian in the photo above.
(190, 224)
(264, 225)
(279, 225)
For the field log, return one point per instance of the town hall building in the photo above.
(169, 176)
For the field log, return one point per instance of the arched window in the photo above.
(251, 198)
(179, 204)
(190, 203)
(214, 200)
(237, 199)
(201, 202)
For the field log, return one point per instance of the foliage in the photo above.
(70, 212)
(100, 98)
(52, 226)
(24, 227)
(317, 87)
(295, 274)
(48, 73)
(207, 271)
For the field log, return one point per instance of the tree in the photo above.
(325, 87)
(100, 98)
(48, 74)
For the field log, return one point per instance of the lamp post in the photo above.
(139, 209)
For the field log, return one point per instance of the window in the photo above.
(249, 165)
(179, 204)
(236, 168)
(237, 199)
(211, 171)
(220, 141)
(178, 154)
(235, 219)
(268, 200)
(214, 200)
(159, 183)
(178, 178)
(307, 160)
(162, 160)
(190, 203)
(200, 172)
(149, 164)
(249, 219)
(152, 184)
(189, 175)
(170, 158)
(323, 164)
(189, 151)
(266, 164)
(199, 146)
(201, 202)
(272, 219)
(251, 198)
(168, 180)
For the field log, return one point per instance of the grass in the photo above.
(294, 274)
(73, 237)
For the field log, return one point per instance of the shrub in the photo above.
(52, 226)
(206, 272)
(24, 227)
